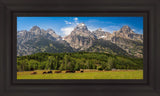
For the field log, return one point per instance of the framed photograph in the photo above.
(79, 48)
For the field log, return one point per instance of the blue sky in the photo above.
(64, 25)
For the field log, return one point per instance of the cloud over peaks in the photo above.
(67, 30)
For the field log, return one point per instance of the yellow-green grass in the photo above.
(118, 74)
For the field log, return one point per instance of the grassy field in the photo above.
(118, 74)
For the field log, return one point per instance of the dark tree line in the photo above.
(76, 61)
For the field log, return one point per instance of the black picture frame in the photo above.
(9, 9)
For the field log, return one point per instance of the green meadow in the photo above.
(117, 74)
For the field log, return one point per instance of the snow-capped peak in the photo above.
(100, 29)
(81, 25)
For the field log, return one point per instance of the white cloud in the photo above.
(76, 19)
(67, 22)
(133, 30)
(67, 30)
(76, 22)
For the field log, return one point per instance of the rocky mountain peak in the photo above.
(80, 38)
(53, 34)
(35, 28)
(127, 33)
(81, 30)
(98, 32)
(81, 26)
(125, 29)
(99, 29)
(50, 31)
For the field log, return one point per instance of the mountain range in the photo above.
(122, 42)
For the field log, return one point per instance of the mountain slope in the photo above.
(125, 38)
(43, 44)
(106, 46)
(134, 48)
